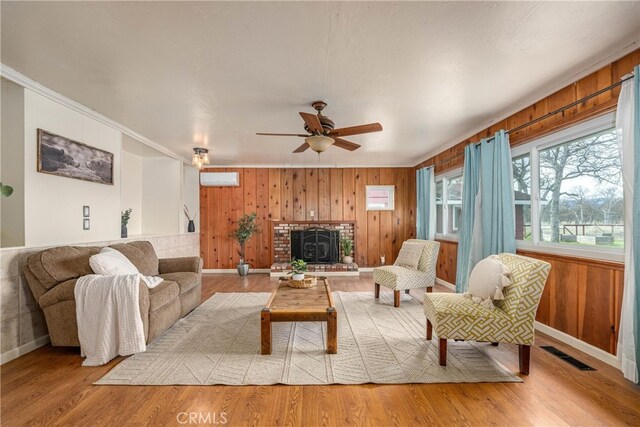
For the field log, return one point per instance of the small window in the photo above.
(522, 195)
(439, 212)
(380, 197)
(454, 204)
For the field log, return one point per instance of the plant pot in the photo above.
(243, 269)
(347, 259)
(123, 231)
(297, 276)
(191, 227)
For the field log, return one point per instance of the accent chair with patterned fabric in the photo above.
(401, 278)
(454, 316)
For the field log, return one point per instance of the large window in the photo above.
(448, 204)
(568, 188)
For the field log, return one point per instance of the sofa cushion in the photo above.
(185, 280)
(56, 265)
(163, 294)
(62, 292)
(142, 255)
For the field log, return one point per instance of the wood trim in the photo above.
(574, 259)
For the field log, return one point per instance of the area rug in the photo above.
(219, 343)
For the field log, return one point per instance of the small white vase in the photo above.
(347, 259)
(298, 276)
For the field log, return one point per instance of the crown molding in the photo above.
(24, 81)
(303, 166)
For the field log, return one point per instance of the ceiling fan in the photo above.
(322, 132)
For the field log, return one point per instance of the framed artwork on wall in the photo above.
(65, 157)
(380, 197)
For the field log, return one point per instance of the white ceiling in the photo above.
(203, 73)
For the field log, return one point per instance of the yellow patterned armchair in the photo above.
(453, 316)
(401, 278)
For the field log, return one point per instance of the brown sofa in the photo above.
(52, 275)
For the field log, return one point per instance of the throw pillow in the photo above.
(110, 262)
(409, 255)
(487, 280)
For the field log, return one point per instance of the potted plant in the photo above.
(191, 227)
(298, 267)
(247, 227)
(124, 220)
(347, 250)
(6, 190)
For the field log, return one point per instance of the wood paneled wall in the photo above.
(454, 156)
(291, 194)
(582, 297)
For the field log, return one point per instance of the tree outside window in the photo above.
(580, 191)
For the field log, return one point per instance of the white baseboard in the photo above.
(584, 347)
(445, 284)
(14, 353)
(322, 273)
(233, 270)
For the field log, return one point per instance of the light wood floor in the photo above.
(48, 386)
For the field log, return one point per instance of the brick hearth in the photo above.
(282, 268)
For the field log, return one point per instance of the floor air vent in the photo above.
(564, 356)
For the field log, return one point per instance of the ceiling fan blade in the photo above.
(356, 130)
(302, 148)
(347, 145)
(312, 122)
(282, 134)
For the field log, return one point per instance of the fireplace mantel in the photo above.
(311, 222)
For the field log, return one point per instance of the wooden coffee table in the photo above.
(288, 304)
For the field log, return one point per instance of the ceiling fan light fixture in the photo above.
(319, 143)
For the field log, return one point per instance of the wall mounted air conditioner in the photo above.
(219, 179)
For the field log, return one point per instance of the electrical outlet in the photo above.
(312, 213)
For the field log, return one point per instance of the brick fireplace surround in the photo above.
(281, 245)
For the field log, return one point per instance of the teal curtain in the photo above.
(425, 215)
(488, 210)
(497, 207)
(470, 186)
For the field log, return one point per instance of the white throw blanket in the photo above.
(108, 316)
